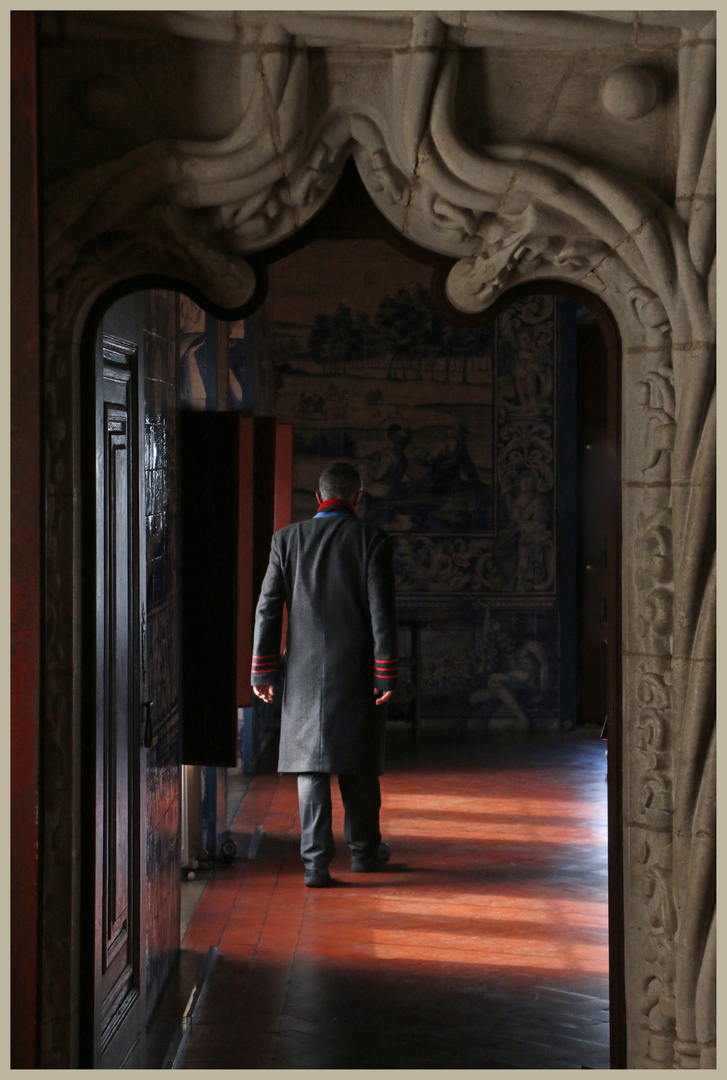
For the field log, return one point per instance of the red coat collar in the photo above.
(335, 504)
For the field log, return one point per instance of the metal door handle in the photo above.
(148, 725)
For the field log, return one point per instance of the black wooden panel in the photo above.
(119, 973)
(118, 738)
(227, 478)
(209, 541)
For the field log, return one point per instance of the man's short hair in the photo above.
(339, 480)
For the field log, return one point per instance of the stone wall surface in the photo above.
(254, 153)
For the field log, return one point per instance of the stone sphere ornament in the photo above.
(630, 92)
(103, 102)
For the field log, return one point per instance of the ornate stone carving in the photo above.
(102, 100)
(649, 309)
(629, 92)
(656, 394)
(508, 214)
(475, 282)
(393, 30)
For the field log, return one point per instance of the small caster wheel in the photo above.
(228, 850)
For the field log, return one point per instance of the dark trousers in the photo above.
(361, 798)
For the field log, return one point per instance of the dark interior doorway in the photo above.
(351, 215)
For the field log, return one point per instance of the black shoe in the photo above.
(317, 879)
(373, 863)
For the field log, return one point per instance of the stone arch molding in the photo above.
(508, 213)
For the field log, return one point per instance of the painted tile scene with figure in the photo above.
(456, 433)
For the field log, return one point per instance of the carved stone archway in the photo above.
(312, 89)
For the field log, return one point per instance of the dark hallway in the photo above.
(484, 944)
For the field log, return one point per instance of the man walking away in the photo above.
(336, 575)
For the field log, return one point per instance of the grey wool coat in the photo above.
(336, 575)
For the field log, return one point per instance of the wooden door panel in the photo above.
(232, 498)
(116, 796)
(119, 967)
(210, 448)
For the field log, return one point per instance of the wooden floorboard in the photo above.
(483, 944)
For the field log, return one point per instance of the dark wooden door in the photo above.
(236, 483)
(216, 470)
(119, 978)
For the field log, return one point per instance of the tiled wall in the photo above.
(162, 622)
(205, 344)
(458, 435)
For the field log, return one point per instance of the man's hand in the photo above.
(265, 692)
(384, 697)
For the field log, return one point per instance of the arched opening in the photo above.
(351, 217)
(163, 380)
(654, 269)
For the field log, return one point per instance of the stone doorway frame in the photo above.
(350, 214)
(514, 214)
